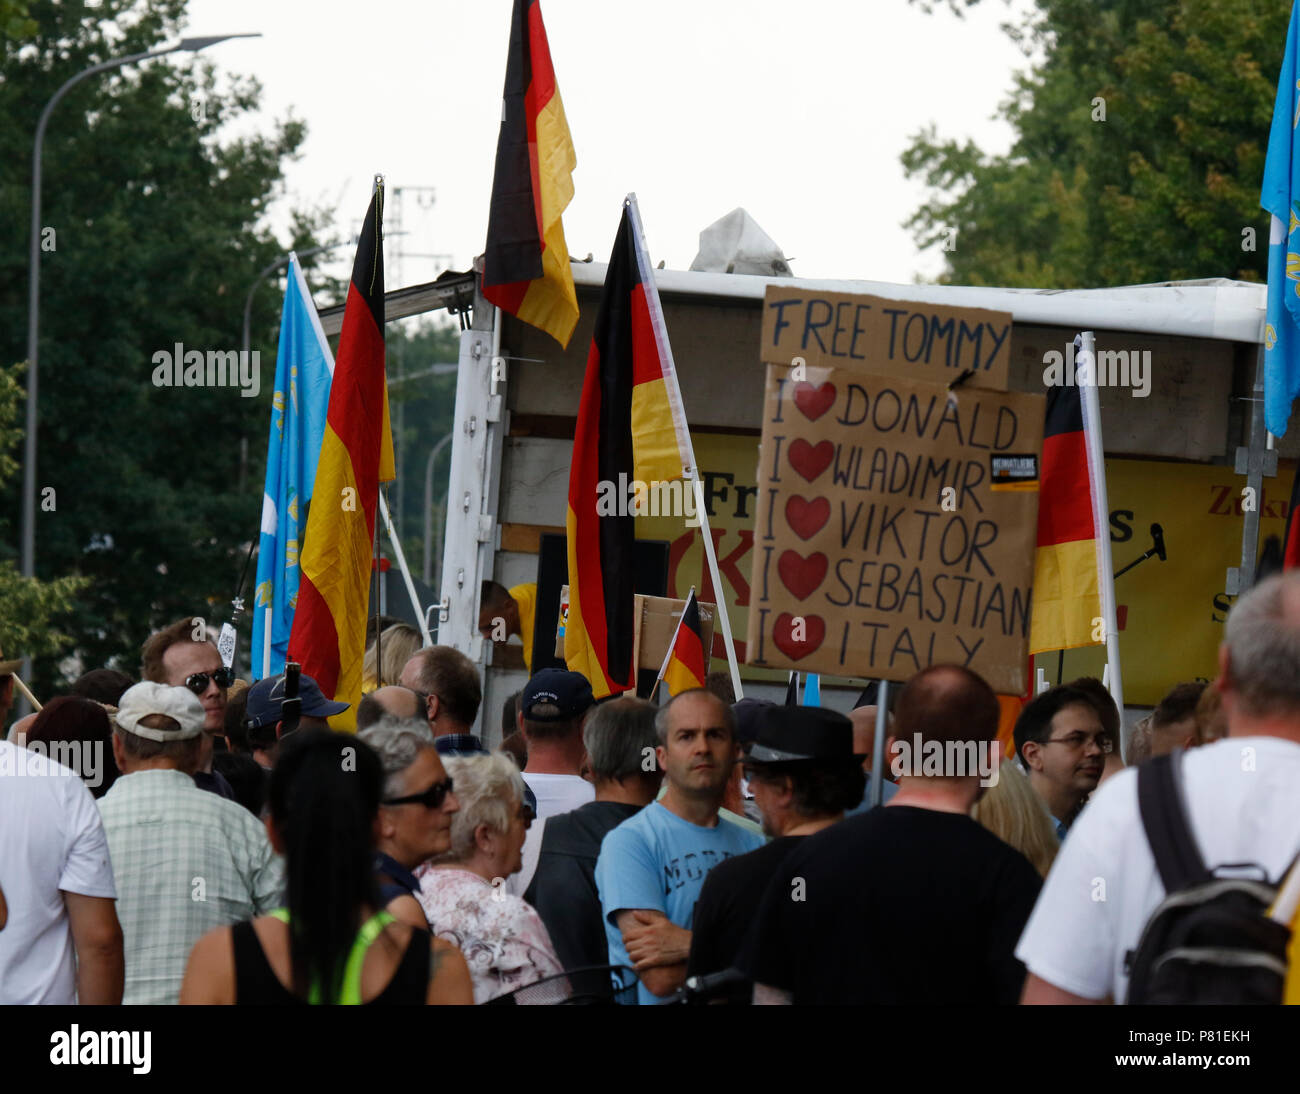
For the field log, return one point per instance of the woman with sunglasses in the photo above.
(463, 891)
(333, 942)
(415, 812)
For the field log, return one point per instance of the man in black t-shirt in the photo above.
(913, 902)
(803, 774)
(620, 739)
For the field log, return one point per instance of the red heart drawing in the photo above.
(811, 460)
(802, 575)
(814, 401)
(805, 517)
(783, 635)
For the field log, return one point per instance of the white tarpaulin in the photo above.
(737, 245)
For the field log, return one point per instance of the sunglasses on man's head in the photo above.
(430, 799)
(198, 682)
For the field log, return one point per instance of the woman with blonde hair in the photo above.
(396, 645)
(1014, 813)
(463, 891)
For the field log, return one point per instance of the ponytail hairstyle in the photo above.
(324, 797)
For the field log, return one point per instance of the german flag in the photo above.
(526, 264)
(329, 626)
(686, 667)
(630, 428)
(1066, 596)
(1291, 540)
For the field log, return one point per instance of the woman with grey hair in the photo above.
(463, 891)
(415, 812)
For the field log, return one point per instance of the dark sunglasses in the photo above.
(430, 799)
(198, 682)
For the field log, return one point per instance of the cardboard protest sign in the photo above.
(872, 334)
(896, 527)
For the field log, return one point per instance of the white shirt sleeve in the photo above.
(1069, 940)
(87, 869)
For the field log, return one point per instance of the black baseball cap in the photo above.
(267, 696)
(568, 692)
(798, 734)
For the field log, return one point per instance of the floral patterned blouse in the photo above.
(501, 936)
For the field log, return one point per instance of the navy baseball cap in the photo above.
(568, 692)
(266, 697)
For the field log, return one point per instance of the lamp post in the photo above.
(186, 45)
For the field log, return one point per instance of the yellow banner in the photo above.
(1171, 614)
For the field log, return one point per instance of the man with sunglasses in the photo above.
(1062, 744)
(183, 654)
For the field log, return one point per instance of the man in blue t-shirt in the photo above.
(651, 867)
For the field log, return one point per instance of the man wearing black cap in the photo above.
(803, 774)
(262, 714)
(552, 710)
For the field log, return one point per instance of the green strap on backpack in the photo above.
(350, 993)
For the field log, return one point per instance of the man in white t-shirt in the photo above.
(61, 942)
(1240, 796)
(552, 709)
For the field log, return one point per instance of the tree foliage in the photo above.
(159, 228)
(1161, 189)
(29, 609)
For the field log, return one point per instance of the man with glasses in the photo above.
(1238, 798)
(1063, 746)
(183, 654)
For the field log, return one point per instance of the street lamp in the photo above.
(186, 45)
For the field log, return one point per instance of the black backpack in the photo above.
(1210, 940)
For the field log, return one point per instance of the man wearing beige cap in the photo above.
(185, 861)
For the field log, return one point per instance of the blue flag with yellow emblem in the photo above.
(1281, 197)
(304, 368)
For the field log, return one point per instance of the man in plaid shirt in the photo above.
(185, 861)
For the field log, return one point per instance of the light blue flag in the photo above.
(1281, 197)
(304, 368)
(812, 690)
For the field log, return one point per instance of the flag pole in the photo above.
(672, 645)
(689, 473)
(1101, 520)
(406, 571)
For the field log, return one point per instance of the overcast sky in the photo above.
(796, 110)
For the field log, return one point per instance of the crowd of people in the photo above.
(187, 838)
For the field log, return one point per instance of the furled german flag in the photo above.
(526, 264)
(329, 626)
(1066, 596)
(685, 667)
(1291, 540)
(630, 428)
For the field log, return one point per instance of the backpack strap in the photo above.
(1172, 844)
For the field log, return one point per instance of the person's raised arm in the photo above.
(97, 936)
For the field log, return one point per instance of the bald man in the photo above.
(396, 700)
(958, 895)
